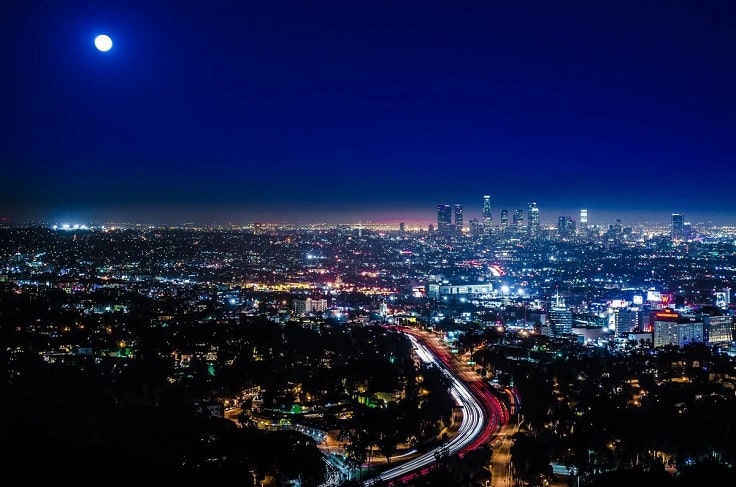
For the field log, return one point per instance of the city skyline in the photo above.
(310, 113)
(421, 218)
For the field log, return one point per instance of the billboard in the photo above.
(721, 300)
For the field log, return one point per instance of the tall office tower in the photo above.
(532, 221)
(626, 320)
(504, 220)
(618, 228)
(566, 226)
(560, 317)
(678, 226)
(444, 218)
(487, 215)
(402, 227)
(519, 221)
(583, 221)
(475, 227)
(459, 218)
(561, 321)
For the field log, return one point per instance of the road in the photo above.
(482, 418)
(501, 459)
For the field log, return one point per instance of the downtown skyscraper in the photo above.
(532, 222)
(487, 216)
(518, 221)
(678, 226)
(459, 221)
(444, 218)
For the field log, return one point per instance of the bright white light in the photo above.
(505, 289)
(103, 43)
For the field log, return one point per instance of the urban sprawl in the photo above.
(274, 354)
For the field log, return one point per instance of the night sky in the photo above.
(347, 111)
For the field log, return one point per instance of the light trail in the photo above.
(473, 424)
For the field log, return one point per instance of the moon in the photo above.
(103, 43)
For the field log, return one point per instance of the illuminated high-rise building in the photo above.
(583, 221)
(504, 220)
(309, 305)
(475, 227)
(717, 329)
(560, 317)
(459, 218)
(566, 226)
(673, 328)
(444, 218)
(532, 222)
(519, 221)
(678, 226)
(487, 219)
(627, 319)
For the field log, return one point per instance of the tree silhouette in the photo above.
(530, 460)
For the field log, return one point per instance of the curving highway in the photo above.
(483, 414)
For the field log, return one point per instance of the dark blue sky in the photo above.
(345, 111)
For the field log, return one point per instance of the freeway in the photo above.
(483, 414)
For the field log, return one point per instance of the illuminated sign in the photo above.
(654, 296)
(666, 314)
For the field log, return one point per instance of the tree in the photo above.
(388, 438)
(356, 450)
(530, 460)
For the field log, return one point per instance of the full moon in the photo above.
(103, 42)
